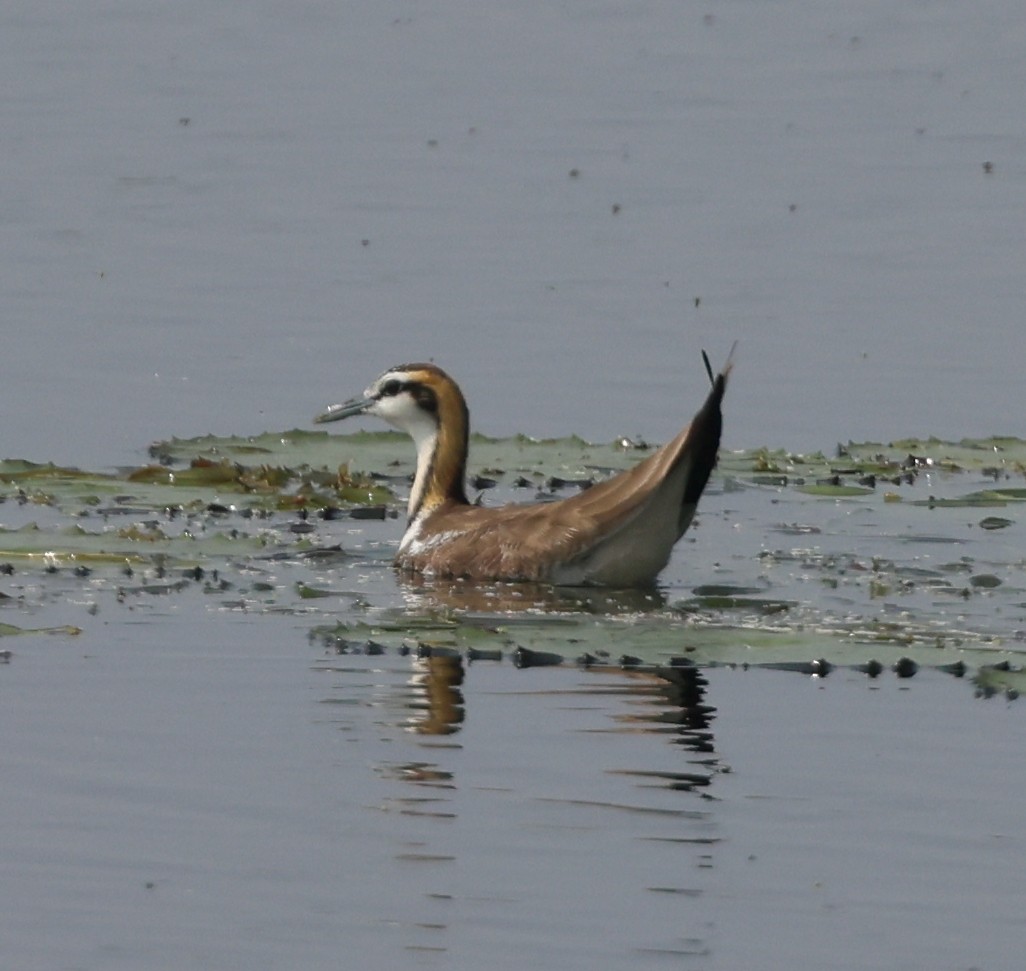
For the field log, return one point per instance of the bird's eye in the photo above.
(391, 388)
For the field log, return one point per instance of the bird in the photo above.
(617, 533)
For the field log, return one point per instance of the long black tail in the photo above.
(707, 428)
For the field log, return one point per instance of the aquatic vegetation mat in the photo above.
(910, 550)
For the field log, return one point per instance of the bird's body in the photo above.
(619, 533)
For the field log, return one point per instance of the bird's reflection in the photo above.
(436, 694)
(542, 775)
(666, 700)
(507, 597)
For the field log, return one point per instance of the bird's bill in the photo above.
(355, 406)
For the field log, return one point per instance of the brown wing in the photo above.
(617, 533)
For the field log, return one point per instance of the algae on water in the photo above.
(911, 546)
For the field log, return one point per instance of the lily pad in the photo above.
(306, 523)
(832, 490)
(10, 630)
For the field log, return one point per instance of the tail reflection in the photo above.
(674, 699)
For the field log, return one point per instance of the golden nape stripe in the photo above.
(619, 533)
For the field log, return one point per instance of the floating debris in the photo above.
(300, 521)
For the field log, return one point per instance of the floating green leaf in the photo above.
(831, 490)
(306, 523)
(10, 630)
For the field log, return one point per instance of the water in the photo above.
(220, 219)
(211, 792)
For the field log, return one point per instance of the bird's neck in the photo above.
(441, 461)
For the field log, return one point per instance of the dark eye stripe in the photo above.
(425, 397)
(421, 393)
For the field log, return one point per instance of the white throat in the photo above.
(401, 412)
(425, 455)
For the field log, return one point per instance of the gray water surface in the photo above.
(221, 218)
(207, 791)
